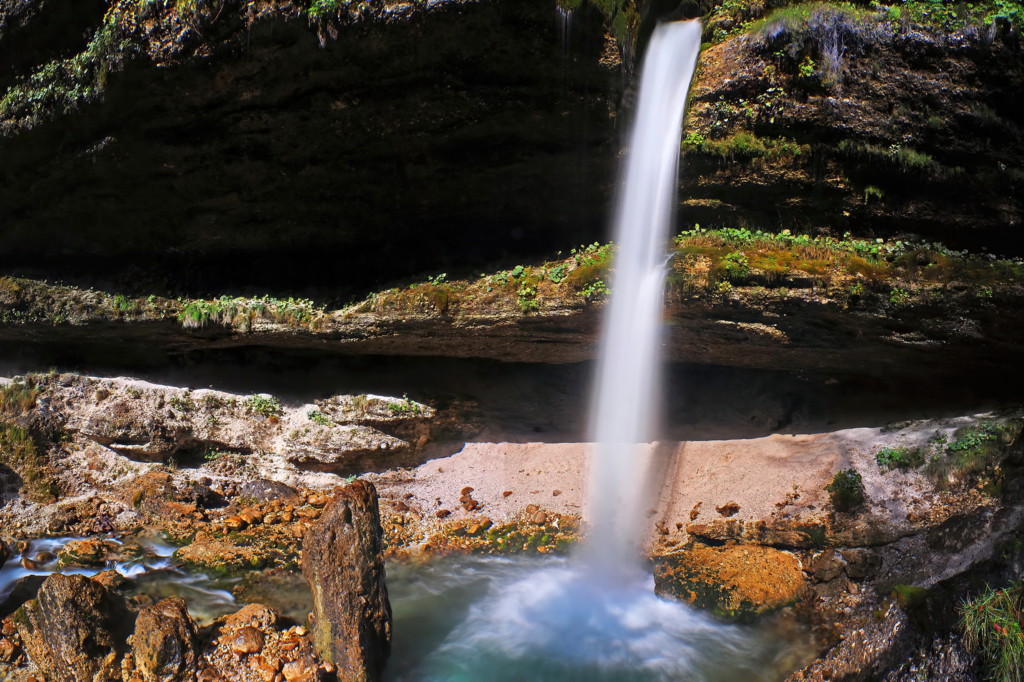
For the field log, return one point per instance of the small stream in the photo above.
(148, 564)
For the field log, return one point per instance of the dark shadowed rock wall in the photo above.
(253, 152)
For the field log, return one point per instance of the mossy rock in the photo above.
(87, 552)
(221, 557)
(736, 583)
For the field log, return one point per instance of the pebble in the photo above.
(299, 671)
(728, 509)
(540, 518)
(235, 523)
(210, 674)
(269, 666)
(467, 490)
(247, 640)
(556, 493)
(442, 513)
(506, 493)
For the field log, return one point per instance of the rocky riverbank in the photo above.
(834, 528)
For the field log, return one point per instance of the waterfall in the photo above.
(595, 616)
(626, 388)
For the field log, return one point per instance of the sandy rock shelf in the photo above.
(769, 491)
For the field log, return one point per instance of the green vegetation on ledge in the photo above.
(973, 453)
(848, 269)
(709, 267)
(846, 491)
(733, 17)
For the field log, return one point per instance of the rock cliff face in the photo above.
(890, 121)
(211, 146)
(221, 179)
(220, 144)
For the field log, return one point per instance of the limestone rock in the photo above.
(164, 643)
(222, 556)
(738, 582)
(75, 630)
(343, 562)
(87, 552)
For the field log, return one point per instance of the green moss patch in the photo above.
(20, 454)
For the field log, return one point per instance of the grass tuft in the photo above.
(993, 626)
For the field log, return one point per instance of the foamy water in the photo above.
(546, 619)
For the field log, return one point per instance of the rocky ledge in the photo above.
(735, 297)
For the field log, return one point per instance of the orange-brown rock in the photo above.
(343, 561)
(738, 582)
(164, 642)
(75, 629)
(804, 533)
(87, 552)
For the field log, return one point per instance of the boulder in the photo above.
(342, 559)
(164, 642)
(738, 582)
(75, 630)
(263, 490)
(87, 552)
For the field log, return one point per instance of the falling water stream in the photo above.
(630, 353)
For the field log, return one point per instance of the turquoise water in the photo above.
(475, 618)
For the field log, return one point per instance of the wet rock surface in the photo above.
(735, 583)
(375, 92)
(845, 118)
(343, 561)
(164, 646)
(76, 629)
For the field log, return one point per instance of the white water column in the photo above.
(627, 388)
